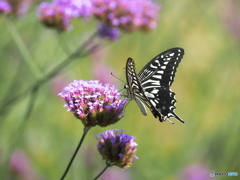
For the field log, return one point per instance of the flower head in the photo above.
(78, 8)
(128, 15)
(5, 7)
(59, 13)
(117, 148)
(107, 31)
(94, 103)
(54, 15)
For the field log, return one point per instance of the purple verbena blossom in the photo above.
(53, 15)
(59, 13)
(117, 148)
(93, 103)
(78, 8)
(5, 7)
(128, 15)
(108, 31)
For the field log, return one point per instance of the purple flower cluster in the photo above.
(5, 7)
(117, 148)
(94, 103)
(128, 15)
(59, 13)
(109, 32)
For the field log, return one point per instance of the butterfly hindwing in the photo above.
(164, 102)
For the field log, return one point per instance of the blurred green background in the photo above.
(206, 87)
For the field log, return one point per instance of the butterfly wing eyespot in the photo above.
(151, 86)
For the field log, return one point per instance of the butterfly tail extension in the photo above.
(162, 118)
(176, 117)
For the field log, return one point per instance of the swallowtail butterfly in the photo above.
(151, 86)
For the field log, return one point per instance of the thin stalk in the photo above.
(86, 129)
(11, 88)
(107, 166)
(78, 53)
(17, 135)
(63, 43)
(23, 49)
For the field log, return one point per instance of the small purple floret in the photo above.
(117, 148)
(109, 32)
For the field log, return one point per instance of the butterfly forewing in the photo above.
(160, 71)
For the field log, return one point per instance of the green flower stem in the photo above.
(107, 166)
(86, 129)
(78, 53)
(63, 43)
(17, 134)
(23, 49)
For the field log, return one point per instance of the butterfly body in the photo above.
(151, 86)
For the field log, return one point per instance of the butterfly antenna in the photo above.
(118, 78)
(121, 89)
